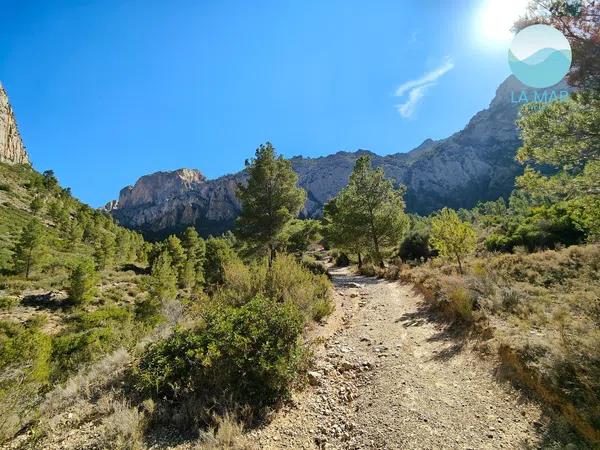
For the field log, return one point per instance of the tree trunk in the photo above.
(459, 264)
(359, 261)
(271, 255)
(28, 265)
(377, 254)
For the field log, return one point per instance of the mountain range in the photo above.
(474, 164)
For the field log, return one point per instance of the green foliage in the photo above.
(29, 251)
(82, 282)
(24, 352)
(316, 267)
(195, 248)
(104, 251)
(269, 200)
(251, 353)
(564, 135)
(289, 282)
(25, 368)
(8, 303)
(415, 246)
(367, 212)
(542, 227)
(451, 236)
(36, 204)
(163, 278)
(218, 253)
(299, 234)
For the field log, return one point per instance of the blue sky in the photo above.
(107, 91)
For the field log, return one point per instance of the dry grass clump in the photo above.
(225, 435)
(85, 384)
(544, 309)
(122, 428)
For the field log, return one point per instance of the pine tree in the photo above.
(370, 209)
(269, 201)
(104, 252)
(82, 282)
(37, 203)
(451, 236)
(29, 251)
(195, 248)
(218, 254)
(163, 278)
(178, 258)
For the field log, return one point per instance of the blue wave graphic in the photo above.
(544, 68)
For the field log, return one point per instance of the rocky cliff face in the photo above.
(12, 150)
(476, 163)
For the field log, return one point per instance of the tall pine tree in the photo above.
(269, 201)
(29, 251)
(369, 209)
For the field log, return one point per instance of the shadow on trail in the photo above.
(50, 300)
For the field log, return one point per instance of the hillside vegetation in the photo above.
(186, 334)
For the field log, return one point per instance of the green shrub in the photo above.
(316, 267)
(368, 270)
(218, 253)
(82, 282)
(342, 260)
(5, 187)
(461, 302)
(241, 282)
(416, 246)
(24, 365)
(91, 335)
(8, 302)
(251, 353)
(288, 281)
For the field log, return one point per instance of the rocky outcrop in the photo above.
(476, 163)
(166, 202)
(12, 150)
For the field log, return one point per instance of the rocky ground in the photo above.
(390, 376)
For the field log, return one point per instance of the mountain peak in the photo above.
(12, 150)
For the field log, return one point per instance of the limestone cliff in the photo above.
(476, 163)
(12, 150)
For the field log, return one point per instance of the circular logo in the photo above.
(539, 56)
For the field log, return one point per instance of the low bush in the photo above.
(315, 266)
(342, 260)
(25, 369)
(289, 282)
(8, 302)
(415, 246)
(247, 354)
(89, 336)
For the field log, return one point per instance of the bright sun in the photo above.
(495, 19)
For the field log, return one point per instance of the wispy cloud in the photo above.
(417, 88)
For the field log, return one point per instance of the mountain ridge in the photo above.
(476, 163)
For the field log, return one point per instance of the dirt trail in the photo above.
(389, 376)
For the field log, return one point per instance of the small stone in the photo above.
(314, 378)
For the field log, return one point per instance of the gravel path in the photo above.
(390, 376)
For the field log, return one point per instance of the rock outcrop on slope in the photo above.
(12, 150)
(474, 164)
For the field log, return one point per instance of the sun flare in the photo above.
(496, 18)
